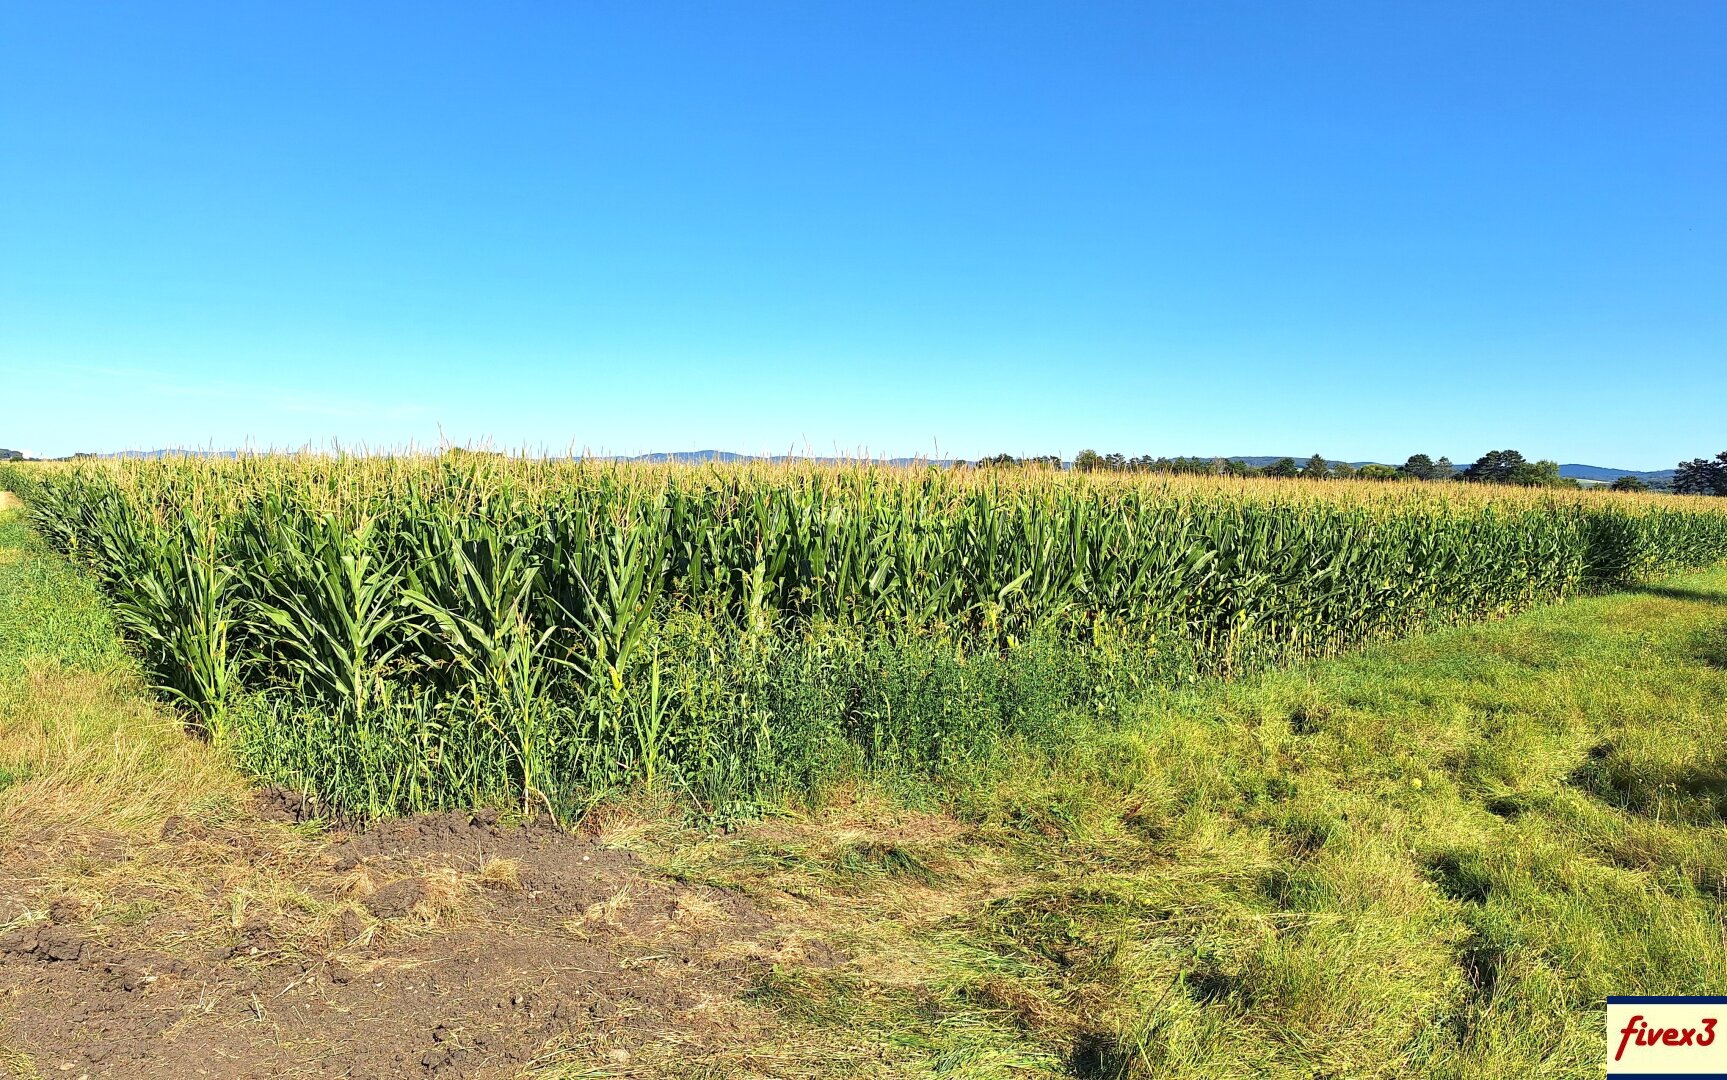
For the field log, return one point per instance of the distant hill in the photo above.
(1576, 472)
(1260, 461)
(1595, 473)
(1607, 476)
(171, 453)
(692, 457)
(701, 457)
(1299, 459)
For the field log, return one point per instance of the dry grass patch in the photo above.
(96, 755)
(500, 874)
(15, 1064)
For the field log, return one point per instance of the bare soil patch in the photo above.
(448, 946)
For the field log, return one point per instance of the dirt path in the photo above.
(445, 946)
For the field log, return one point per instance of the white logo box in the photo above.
(1652, 1037)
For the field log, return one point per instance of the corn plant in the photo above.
(404, 632)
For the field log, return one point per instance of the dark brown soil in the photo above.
(445, 946)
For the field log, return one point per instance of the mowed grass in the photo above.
(1431, 858)
(82, 742)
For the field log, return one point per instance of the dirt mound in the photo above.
(279, 804)
(443, 945)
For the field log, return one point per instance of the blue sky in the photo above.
(1363, 229)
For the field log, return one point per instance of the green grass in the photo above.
(50, 610)
(1431, 858)
(82, 742)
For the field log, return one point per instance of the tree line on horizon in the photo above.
(1698, 476)
(1494, 467)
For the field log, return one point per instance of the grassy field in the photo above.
(1428, 857)
(1432, 858)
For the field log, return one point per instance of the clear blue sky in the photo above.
(1364, 229)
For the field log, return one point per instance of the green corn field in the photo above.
(405, 633)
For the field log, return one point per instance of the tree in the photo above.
(1376, 471)
(11, 455)
(1539, 474)
(1510, 467)
(1343, 470)
(1316, 469)
(1700, 476)
(1088, 461)
(1494, 467)
(1189, 466)
(1419, 466)
(1628, 483)
(1422, 467)
(1282, 467)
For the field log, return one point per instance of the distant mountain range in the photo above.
(702, 457)
(1607, 476)
(1262, 461)
(170, 453)
(1596, 473)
